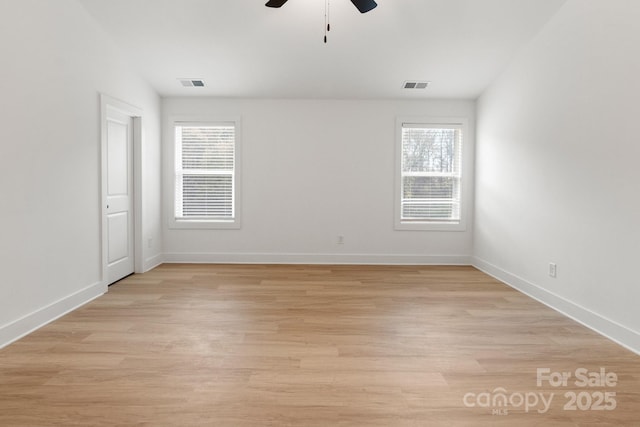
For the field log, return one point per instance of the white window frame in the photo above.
(214, 223)
(430, 122)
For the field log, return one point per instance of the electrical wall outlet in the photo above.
(553, 270)
(340, 240)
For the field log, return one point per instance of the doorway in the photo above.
(121, 136)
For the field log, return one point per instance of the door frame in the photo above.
(109, 103)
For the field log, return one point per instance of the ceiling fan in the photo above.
(363, 6)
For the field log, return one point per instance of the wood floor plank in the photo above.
(279, 345)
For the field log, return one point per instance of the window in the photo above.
(206, 175)
(429, 176)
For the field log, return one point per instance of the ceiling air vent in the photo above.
(416, 85)
(192, 82)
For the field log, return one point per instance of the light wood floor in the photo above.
(307, 346)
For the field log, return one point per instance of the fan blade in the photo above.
(275, 3)
(364, 6)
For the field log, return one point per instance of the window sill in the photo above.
(182, 224)
(429, 226)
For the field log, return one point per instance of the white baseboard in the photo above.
(19, 328)
(153, 262)
(353, 259)
(610, 329)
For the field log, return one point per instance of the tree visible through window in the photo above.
(430, 173)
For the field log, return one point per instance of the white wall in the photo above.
(557, 167)
(313, 170)
(55, 62)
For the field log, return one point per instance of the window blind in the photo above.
(430, 173)
(205, 171)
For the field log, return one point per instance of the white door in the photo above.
(119, 194)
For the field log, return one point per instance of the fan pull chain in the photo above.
(327, 24)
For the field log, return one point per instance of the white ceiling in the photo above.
(243, 49)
